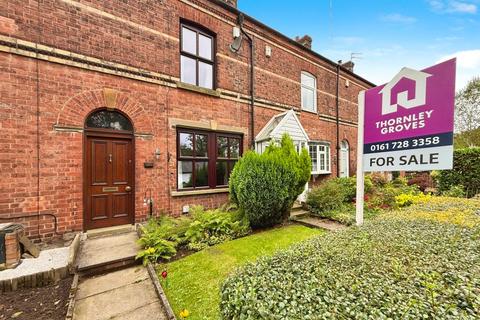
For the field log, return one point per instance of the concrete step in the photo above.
(315, 222)
(110, 231)
(108, 253)
(297, 206)
(298, 214)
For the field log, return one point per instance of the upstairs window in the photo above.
(197, 57)
(320, 155)
(309, 92)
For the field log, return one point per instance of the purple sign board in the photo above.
(408, 122)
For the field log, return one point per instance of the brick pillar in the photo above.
(12, 247)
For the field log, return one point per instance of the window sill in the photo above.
(198, 192)
(320, 173)
(310, 111)
(190, 87)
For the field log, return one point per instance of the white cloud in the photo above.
(398, 18)
(463, 7)
(468, 65)
(452, 6)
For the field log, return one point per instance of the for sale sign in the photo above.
(408, 122)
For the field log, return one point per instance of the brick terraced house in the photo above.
(107, 104)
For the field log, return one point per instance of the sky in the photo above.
(384, 35)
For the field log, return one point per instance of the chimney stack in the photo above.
(232, 3)
(348, 65)
(305, 41)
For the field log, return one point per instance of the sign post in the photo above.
(406, 124)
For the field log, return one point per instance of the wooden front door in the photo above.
(109, 177)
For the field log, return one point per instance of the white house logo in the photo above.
(420, 79)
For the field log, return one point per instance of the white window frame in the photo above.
(344, 159)
(323, 154)
(305, 86)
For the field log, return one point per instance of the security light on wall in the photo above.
(236, 44)
(237, 35)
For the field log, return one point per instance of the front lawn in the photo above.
(194, 282)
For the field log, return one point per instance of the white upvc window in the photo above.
(320, 155)
(309, 92)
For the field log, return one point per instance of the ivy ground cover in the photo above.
(193, 283)
(422, 262)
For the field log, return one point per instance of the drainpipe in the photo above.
(337, 120)
(252, 86)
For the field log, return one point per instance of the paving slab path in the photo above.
(115, 294)
(124, 294)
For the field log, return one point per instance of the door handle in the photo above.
(128, 188)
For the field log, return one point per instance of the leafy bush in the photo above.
(407, 199)
(162, 236)
(422, 179)
(378, 179)
(454, 191)
(160, 249)
(388, 269)
(328, 196)
(213, 227)
(333, 193)
(465, 172)
(265, 186)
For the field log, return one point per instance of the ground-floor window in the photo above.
(320, 155)
(206, 159)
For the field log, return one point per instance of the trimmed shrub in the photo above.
(330, 195)
(264, 186)
(465, 172)
(388, 269)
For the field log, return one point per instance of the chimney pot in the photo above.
(232, 3)
(348, 65)
(305, 41)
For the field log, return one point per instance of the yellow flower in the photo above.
(184, 313)
(150, 250)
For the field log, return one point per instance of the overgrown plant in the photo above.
(214, 226)
(162, 236)
(264, 186)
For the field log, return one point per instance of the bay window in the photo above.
(197, 57)
(206, 159)
(320, 155)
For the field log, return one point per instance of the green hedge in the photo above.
(264, 186)
(466, 172)
(388, 269)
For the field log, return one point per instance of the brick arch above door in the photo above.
(75, 110)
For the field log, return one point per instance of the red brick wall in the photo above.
(140, 34)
